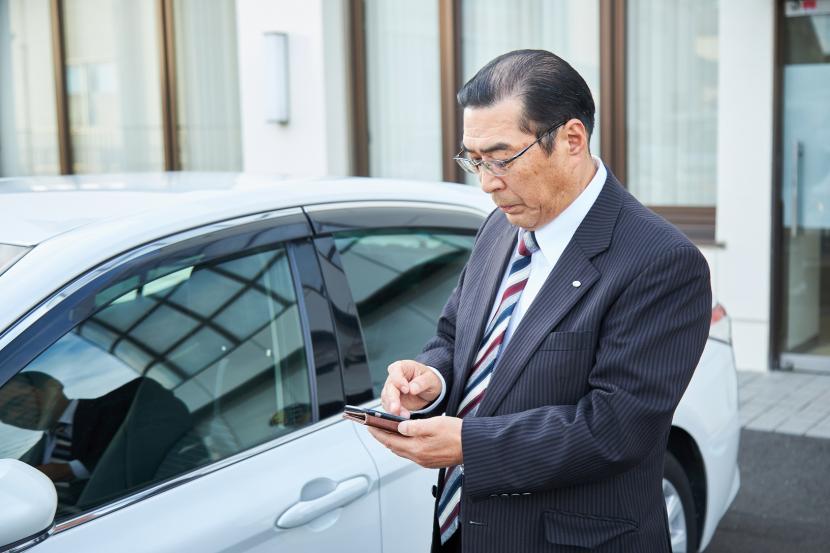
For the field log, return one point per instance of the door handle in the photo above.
(304, 512)
(798, 152)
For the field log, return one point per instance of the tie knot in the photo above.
(60, 428)
(527, 243)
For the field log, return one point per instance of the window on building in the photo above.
(569, 29)
(672, 101)
(657, 63)
(28, 124)
(406, 68)
(125, 110)
(112, 81)
(403, 88)
(208, 125)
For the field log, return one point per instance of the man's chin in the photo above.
(516, 219)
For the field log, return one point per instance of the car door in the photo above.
(200, 383)
(390, 269)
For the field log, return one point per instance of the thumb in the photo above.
(424, 383)
(411, 428)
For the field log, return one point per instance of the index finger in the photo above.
(390, 398)
(391, 394)
(397, 377)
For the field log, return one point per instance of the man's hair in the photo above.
(551, 91)
(36, 379)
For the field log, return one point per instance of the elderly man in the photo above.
(99, 442)
(561, 355)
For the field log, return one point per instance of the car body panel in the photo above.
(406, 504)
(235, 510)
(708, 412)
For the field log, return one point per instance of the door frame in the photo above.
(778, 359)
(776, 265)
(326, 220)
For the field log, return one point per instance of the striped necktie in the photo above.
(62, 453)
(479, 377)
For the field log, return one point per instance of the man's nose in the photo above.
(490, 183)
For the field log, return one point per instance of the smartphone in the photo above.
(371, 417)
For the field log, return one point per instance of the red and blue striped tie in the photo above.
(488, 352)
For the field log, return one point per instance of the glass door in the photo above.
(805, 186)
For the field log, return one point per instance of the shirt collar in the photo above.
(565, 224)
(69, 413)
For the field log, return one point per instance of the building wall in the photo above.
(315, 141)
(741, 268)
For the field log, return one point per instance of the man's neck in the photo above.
(585, 173)
(582, 177)
(61, 404)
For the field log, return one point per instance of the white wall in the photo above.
(315, 141)
(741, 269)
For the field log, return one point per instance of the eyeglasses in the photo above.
(496, 167)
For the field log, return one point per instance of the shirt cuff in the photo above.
(439, 399)
(78, 469)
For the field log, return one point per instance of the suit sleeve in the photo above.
(439, 351)
(650, 342)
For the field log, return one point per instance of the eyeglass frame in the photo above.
(472, 167)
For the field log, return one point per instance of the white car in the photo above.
(176, 351)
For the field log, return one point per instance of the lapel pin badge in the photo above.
(576, 284)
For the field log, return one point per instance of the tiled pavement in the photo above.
(785, 402)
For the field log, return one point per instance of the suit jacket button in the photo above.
(435, 492)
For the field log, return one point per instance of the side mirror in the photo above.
(29, 503)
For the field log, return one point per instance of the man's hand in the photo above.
(410, 386)
(432, 443)
(57, 472)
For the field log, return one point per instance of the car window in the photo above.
(400, 280)
(180, 366)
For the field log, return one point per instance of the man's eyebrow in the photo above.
(499, 146)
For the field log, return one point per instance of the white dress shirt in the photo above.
(78, 469)
(552, 240)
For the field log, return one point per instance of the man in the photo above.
(34, 400)
(561, 355)
(94, 448)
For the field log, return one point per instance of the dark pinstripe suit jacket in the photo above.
(565, 453)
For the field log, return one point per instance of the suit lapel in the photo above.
(474, 312)
(559, 293)
(85, 417)
(557, 296)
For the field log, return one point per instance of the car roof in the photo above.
(36, 209)
(74, 224)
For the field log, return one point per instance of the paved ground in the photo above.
(786, 403)
(784, 502)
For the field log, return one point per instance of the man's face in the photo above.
(26, 406)
(534, 190)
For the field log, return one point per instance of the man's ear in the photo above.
(577, 136)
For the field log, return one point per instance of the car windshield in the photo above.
(9, 255)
